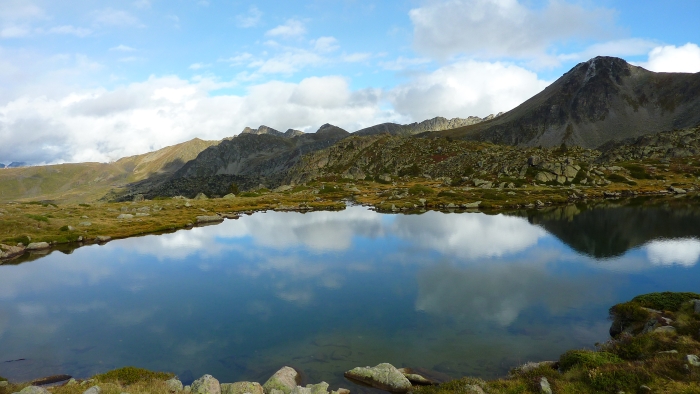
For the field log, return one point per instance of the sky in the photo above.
(88, 80)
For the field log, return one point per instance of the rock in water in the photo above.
(285, 380)
(414, 377)
(384, 376)
(207, 384)
(174, 385)
(241, 388)
(321, 388)
(38, 246)
(209, 219)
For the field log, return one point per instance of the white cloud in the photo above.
(71, 30)
(122, 48)
(143, 4)
(684, 59)
(290, 29)
(503, 28)
(326, 44)
(199, 66)
(14, 32)
(112, 17)
(619, 48)
(355, 57)
(13, 10)
(250, 19)
(684, 252)
(402, 63)
(289, 61)
(466, 88)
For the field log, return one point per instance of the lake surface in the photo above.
(456, 293)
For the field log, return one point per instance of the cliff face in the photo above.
(597, 101)
(436, 124)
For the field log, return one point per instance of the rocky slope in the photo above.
(248, 160)
(597, 101)
(660, 146)
(435, 124)
(269, 130)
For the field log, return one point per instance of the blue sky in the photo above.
(98, 80)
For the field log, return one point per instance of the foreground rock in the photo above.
(416, 378)
(209, 219)
(174, 385)
(34, 390)
(8, 252)
(207, 384)
(38, 246)
(285, 380)
(241, 388)
(384, 376)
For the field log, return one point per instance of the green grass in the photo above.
(586, 358)
(420, 190)
(666, 301)
(38, 218)
(131, 375)
(620, 179)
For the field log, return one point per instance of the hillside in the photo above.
(89, 181)
(435, 124)
(597, 101)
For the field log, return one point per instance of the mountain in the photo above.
(436, 124)
(597, 101)
(17, 164)
(88, 181)
(249, 159)
(2, 165)
(270, 131)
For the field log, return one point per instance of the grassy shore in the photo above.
(658, 337)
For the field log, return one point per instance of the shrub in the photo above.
(64, 228)
(587, 359)
(637, 172)
(131, 375)
(420, 190)
(447, 193)
(233, 189)
(84, 205)
(620, 179)
(633, 347)
(38, 218)
(666, 301)
(614, 379)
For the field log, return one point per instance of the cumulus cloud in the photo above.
(683, 59)
(70, 30)
(684, 252)
(326, 44)
(290, 29)
(249, 19)
(503, 28)
(619, 48)
(466, 88)
(112, 17)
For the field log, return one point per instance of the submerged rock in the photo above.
(241, 388)
(415, 378)
(207, 384)
(285, 380)
(384, 376)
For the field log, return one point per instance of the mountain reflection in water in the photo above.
(458, 294)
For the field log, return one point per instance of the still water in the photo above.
(456, 293)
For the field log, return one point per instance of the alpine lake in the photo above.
(453, 293)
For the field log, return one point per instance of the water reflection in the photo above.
(328, 291)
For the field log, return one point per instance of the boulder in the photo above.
(38, 246)
(384, 377)
(285, 380)
(142, 214)
(207, 384)
(201, 196)
(545, 388)
(138, 198)
(677, 190)
(174, 385)
(103, 238)
(7, 251)
(93, 390)
(544, 176)
(533, 160)
(34, 390)
(241, 388)
(472, 204)
(209, 219)
(85, 224)
(693, 360)
(125, 216)
(320, 388)
(416, 378)
(229, 196)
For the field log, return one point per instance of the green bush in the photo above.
(419, 190)
(325, 189)
(233, 189)
(84, 205)
(629, 312)
(587, 359)
(447, 193)
(38, 218)
(637, 172)
(615, 379)
(666, 301)
(131, 375)
(633, 347)
(620, 179)
(64, 228)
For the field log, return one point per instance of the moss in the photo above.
(613, 379)
(420, 190)
(633, 347)
(620, 179)
(447, 193)
(586, 358)
(38, 218)
(131, 375)
(666, 301)
(63, 228)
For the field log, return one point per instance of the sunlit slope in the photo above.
(81, 182)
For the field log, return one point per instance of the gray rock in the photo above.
(545, 177)
(138, 198)
(125, 216)
(85, 224)
(696, 306)
(174, 385)
(103, 238)
(34, 390)
(473, 389)
(201, 196)
(677, 190)
(142, 214)
(207, 384)
(693, 360)
(285, 380)
(38, 246)
(241, 388)
(7, 251)
(666, 329)
(384, 376)
(415, 378)
(209, 219)
(472, 204)
(545, 388)
(3, 383)
(320, 388)
(93, 390)
(229, 196)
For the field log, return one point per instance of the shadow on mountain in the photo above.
(608, 229)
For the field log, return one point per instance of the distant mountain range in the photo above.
(598, 103)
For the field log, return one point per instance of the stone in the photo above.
(209, 219)
(383, 376)
(103, 238)
(125, 216)
(3, 383)
(207, 384)
(693, 360)
(415, 378)
(320, 388)
(93, 390)
(241, 388)
(85, 224)
(570, 171)
(286, 379)
(545, 177)
(473, 389)
(229, 196)
(422, 201)
(696, 306)
(665, 329)
(174, 385)
(282, 188)
(677, 190)
(138, 198)
(7, 251)
(340, 391)
(534, 160)
(668, 352)
(38, 246)
(142, 214)
(545, 388)
(34, 390)
(201, 196)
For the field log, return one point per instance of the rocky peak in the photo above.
(329, 129)
(293, 133)
(262, 129)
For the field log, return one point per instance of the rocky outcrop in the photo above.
(207, 384)
(8, 252)
(383, 376)
(241, 388)
(435, 124)
(660, 146)
(284, 380)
